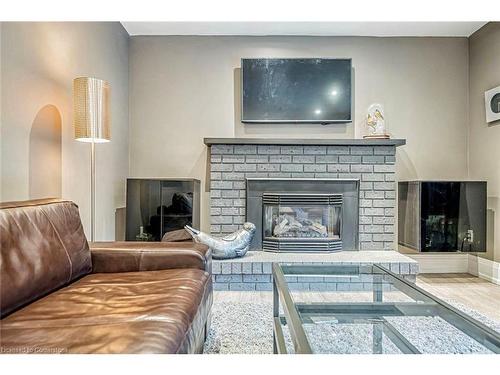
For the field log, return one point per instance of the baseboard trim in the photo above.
(484, 268)
(441, 263)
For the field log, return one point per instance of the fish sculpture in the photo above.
(231, 246)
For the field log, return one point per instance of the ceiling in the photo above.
(451, 29)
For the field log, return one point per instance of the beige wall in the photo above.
(38, 64)
(185, 88)
(484, 139)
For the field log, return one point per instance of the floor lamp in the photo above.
(91, 121)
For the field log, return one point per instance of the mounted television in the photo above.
(296, 90)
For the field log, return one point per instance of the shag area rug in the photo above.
(246, 328)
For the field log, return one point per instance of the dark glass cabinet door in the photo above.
(439, 217)
(453, 216)
(158, 206)
(442, 216)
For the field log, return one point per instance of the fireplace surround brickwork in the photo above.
(374, 166)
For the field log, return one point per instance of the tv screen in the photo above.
(296, 90)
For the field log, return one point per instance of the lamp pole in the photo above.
(92, 191)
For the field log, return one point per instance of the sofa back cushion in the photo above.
(42, 248)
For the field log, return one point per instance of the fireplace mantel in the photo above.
(304, 141)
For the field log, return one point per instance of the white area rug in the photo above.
(246, 328)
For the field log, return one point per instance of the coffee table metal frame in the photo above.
(295, 314)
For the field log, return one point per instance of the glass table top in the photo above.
(367, 309)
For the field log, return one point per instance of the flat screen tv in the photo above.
(296, 90)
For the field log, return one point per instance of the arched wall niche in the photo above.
(45, 154)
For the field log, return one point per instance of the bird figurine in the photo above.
(231, 246)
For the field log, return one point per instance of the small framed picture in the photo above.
(492, 103)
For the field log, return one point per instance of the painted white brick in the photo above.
(263, 286)
(292, 168)
(362, 168)
(221, 149)
(217, 202)
(373, 159)
(215, 211)
(325, 159)
(384, 150)
(266, 267)
(337, 150)
(315, 168)
(246, 268)
(221, 286)
(239, 185)
(256, 174)
(226, 268)
(230, 194)
(228, 278)
(229, 228)
(361, 150)
(238, 219)
(374, 194)
(245, 149)
(230, 210)
(222, 220)
(338, 168)
(365, 219)
(257, 159)
(383, 220)
(279, 175)
(268, 167)
(383, 203)
(265, 149)
(257, 268)
(292, 150)
(350, 159)
(221, 167)
(236, 267)
(245, 167)
(383, 185)
(404, 268)
(257, 278)
(233, 158)
(230, 176)
(303, 159)
(216, 269)
(280, 159)
(215, 158)
(314, 150)
(365, 203)
(239, 202)
(373, 177)
(326, 175)
(384, 168)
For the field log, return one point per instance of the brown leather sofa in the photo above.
(59, 296)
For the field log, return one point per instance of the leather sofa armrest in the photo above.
(112, 257)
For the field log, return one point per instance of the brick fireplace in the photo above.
(370, 162)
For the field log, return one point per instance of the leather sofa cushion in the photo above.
(148, 256)
(42, 247)
(133, 312)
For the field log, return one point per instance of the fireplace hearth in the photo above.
(303, 215)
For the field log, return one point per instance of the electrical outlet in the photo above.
(470, 235)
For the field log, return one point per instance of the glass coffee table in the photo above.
(367, 309)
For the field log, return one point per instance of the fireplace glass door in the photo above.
(302, 221)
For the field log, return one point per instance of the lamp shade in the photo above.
(91, 118)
